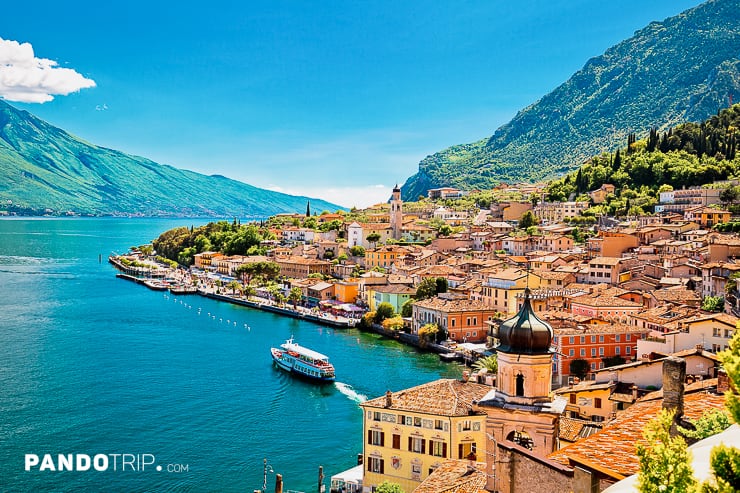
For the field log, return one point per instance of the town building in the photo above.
(610, 270)
(680, 200)
(500, 289)
(710, 331)
(300, 267)
(463, 320)
(409, 433)
(599, 195)
(444, 193)
(395, 294)
(593, 343)
(384, 256)
(509, 211)
(714, 276)
(556, 212)
(204, 260)
(611, 244)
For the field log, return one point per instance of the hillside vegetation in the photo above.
(687, 155)
(682, 69)
(44, 167)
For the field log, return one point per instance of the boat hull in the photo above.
(284, 361)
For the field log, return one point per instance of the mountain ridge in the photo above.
(680, 69)
(45, 167)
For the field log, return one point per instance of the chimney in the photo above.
(634, 392)
(388, 398)
(674, 375)
(723, 381)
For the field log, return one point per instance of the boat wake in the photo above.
(347, 390)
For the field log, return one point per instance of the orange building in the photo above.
(347, 290)
(593, 343)
(611, 244)
(463, 320)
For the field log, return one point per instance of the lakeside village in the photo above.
(594, 330)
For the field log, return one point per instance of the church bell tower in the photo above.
(396, 213)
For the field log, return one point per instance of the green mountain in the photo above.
(44, 167)
(682, 69)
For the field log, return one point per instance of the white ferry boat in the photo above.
(303, 361)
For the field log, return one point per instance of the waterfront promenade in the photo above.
(176, 280)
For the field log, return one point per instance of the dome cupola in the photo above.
(524, 333)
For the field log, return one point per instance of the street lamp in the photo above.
(267, 467)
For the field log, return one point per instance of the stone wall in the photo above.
(519, 471)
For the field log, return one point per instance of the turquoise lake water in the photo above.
(91, 364)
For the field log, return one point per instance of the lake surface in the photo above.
(91, 364)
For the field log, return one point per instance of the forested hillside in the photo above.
(682, 69)
(44, 167)
(689, 154)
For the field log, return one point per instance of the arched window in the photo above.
(521, 438)
(520, 385)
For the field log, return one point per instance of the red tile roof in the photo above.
(612, 450)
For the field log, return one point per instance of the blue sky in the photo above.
(338, 100)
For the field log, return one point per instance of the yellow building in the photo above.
(384, 256)
(407, 434)
(708, 217)
(205, 260)
(591, 401)
(500, 289)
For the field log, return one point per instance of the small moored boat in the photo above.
(303, 361)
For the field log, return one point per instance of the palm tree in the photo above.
(489, 363)
(234, 285)
(249, 291)
(295, 295)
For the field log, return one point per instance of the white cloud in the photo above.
(27, 79)
(101, 107)
(359, 196)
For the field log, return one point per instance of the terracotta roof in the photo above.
(445, 397)
(722, 317)
(612, 450)
(604, 301)
(553, 275)
(448, 306)
(572, 429)
(455, 476)
(680, 295)
(394, 289)
(663, 314)
(440, 270)
(587, 386)
(603, 328)
(605, 260)
(697, 386)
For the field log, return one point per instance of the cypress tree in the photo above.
(308, 208)
(652, 141)
(617, 161)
